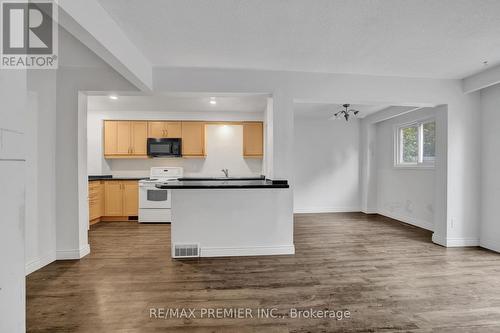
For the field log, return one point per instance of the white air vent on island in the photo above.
(186, 251)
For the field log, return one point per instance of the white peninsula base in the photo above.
(233, 222)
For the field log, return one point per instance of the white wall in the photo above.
(405, 194)
(490, 160)
(224, 146)
(71, 148)
(326, 165)
(13, 119)
(40, 199)
(56, 227)
(264, 223)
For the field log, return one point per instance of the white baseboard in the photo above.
(246, 251)
(454, 242)
(407, 219)
(369, 211)
(311, 210)
(73, 254)
(39, 262)
(490, 244)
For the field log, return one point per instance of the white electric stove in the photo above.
(155, 203)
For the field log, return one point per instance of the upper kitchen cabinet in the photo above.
(164, 129)
(253, 140)
(125, 138)
(193, 139)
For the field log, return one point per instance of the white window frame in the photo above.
(398, 149)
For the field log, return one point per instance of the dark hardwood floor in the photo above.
(388, 275)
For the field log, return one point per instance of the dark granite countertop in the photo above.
(224, 184)
(110, 177)
(221, 178)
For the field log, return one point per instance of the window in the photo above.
(416, 144)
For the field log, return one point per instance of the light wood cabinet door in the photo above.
(96, 199)
(113, 198)
(139, 138)
(174, 129)
(110, 137)
(100, 200)
(93, 193)
(253, 140)
(123, 135)
(193, 139)
(157, 129)
(130, 198)
(164, 129)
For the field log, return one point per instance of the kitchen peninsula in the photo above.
(231, 217)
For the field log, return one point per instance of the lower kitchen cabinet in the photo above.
(113, 205)
(113, 200)
(96, 201)
(130, 198)
(121, 198)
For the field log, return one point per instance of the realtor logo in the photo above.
(29, 34)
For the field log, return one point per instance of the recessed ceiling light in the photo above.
(213, 101)
(113, 97)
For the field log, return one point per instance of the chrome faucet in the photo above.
(226, 172)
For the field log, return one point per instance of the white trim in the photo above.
(73, 254)
(438, 239)
(40, 262)
(246, 251)
(408, 219)
(490, 244)
(454, 242)
(326, 209)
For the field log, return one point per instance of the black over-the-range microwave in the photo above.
(161, 147)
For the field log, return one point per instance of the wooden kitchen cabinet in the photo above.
(130, 198)
(253, 140)
(113, 190)
(193, 139)
(128, 138)
(164, 129)
(139, 138)
(125, 138)
(121, 198)
(96, 201)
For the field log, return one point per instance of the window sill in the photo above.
(414, 167)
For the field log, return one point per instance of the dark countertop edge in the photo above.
(216, 187)
(268, 183)
(109, 177)
(188, 179)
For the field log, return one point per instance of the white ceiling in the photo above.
(414, 38)
(179, 103)
(326, 111)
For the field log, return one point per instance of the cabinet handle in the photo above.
(166, 133)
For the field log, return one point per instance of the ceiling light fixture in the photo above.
(114, 97)
(213, 101)
(347, 113)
